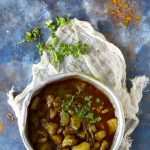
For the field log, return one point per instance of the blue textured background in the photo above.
(19, 16)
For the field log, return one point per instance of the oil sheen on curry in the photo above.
(71, 115)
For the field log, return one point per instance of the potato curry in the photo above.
(71, 115)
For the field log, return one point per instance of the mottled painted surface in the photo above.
(18, 16)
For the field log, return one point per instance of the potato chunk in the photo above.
(57, 102)
(105, 111)
(100, 135)
(69, 130)
(45, 146)
(42, 140)
(75, 123)
(53, 113)
(82, 135)
(92, 128)
(112, 125)
(60, 130)
(49, 100)
(57, 139)
(104, 145)
(35, 103)
(64, 120)
(51, 127)
(96, 145)
(42, 133)
(69, 140)
(82, 146)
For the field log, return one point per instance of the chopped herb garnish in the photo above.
(69, 104)
(125, 24)
(83, 112)
(31, 36)
(89, 116)
(96, 119)
(99, 101)
(88, 98)
(80, 113)
(65, 114)
(76, 50)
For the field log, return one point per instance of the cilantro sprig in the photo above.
(99, 101)
(31, 36)
(76, 50)
(84, 112)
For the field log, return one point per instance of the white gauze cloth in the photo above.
(104, 61)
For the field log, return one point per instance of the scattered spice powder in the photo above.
(1, 127)
(124, 12)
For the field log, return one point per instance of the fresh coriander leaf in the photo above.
(65, 49)
(84, 49)
(89, 104)
(31, 36)
(125, 24)
(79, 49)
(41, 47)
(95, 120)
(62, 22)
(80, 114)
(89, 116)
(76, 110)
(57, 21)
(68, 105)
(76, 50)
(86, 108)
(21, 42)
(28, 34)
(88, 98)
(57, 56)
(99, 101)
(53, 34)
(66, 114)
(36, 33)
(48, 22)
(68, 17)
(52, 27)
(50, 47)
(55, 41)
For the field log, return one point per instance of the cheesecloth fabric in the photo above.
(103, 60)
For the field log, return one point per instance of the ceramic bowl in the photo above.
(113, 99)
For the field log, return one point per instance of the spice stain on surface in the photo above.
(124, 12)
(1, 127)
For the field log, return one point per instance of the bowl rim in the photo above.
(84, 77)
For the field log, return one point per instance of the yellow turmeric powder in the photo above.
(1, 127)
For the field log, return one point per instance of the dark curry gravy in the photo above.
(71, 115)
